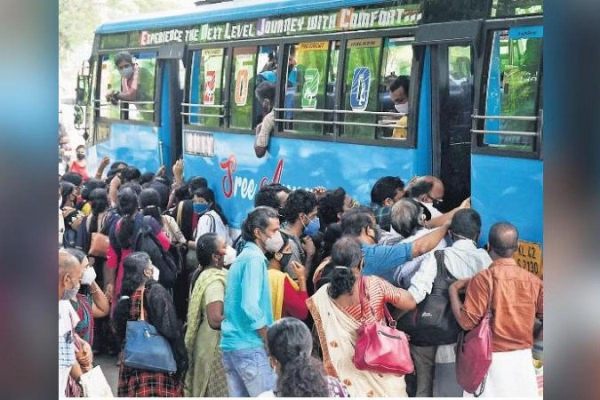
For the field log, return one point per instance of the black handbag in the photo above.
(432, 323)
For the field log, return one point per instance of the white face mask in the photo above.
(155, 273)
(274, 243)
(89, 276)
(402, 108)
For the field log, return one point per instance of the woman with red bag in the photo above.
(338, 314)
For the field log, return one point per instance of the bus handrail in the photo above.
(136, 102)
(203, 105)
(385, 113)
(504, 133)
(203, 115)
(303, 109)
(505, 117)
(306, 121)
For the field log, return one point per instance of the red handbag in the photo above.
(380, 348)
(474, 354)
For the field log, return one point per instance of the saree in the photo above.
(201, 341)
(277, 283)
(337, 335)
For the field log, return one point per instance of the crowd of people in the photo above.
(275, 311)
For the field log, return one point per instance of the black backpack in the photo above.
(432, 323)
(146, 241)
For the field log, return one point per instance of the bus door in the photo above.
(170, 60)
(450, 52)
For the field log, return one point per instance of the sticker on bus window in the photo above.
(310, 90)
(209, 87)
(241, 87)
(359, 92)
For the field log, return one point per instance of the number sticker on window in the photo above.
(361, 84)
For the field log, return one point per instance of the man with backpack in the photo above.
(432, 326)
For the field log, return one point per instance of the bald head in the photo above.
(504, 239)
(67, 265)
(437, 191)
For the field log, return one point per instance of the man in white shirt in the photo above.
(435, 365)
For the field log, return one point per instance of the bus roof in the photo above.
(227, 11)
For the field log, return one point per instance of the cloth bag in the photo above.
(145, 348)
(474, 353)
(94, 384)
(380, 348)
(98, 245)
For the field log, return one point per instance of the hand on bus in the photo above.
(319, 190)
(466, 203)
(178, 168)
(104, 163)
(161, 171)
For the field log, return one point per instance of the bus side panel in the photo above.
(235, 173)
(134, 144)
(424, 136)
(509, 189)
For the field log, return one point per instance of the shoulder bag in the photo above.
(145, 348)
(94, 384)
(380, 348)
(474, 353)
(99, 242)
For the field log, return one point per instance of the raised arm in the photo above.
(428, 242)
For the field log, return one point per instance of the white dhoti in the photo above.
(511, 374)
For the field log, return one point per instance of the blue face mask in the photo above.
(313, 227)
(126, 72)
(200, 208)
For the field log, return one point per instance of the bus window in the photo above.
(395, 74)
(510, 8)
(512, 90)
(244, 59)
(266, 71)
(140, 85)
(206, 87)
(306, 87)
(360, 88)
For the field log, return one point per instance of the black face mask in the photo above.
(80, 156)
(285, 260)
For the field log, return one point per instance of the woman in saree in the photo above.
(336, 310)
(206, 374)
(288, 297)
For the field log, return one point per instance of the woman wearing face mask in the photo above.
(72, 217)
(88, 299)
(80, 165)
(288, 297)
(206, 376)
(211, 217)
(160, 312)
(337, 312)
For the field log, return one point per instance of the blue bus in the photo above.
(474, 116)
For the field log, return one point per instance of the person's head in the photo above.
(272, 195)
(182, 193)
(331, 234)
(399, 90)
(332, 205)
(68, 194)
(75, 178)
(466, 224)
(70, 273)
(261, 227)
(163, 191)
(387, 191)
(114, 170)
(80, 152)
(124, 63)
(98, 198)
(210, 250)
(195, 183)
(90, 185)
(149, 202)
(146, 177)
(284, 254)
(127, 200)
(204, 200)
(503, 240)
(64, 140)
(130, 174)
(88, 272)
(347, 257)
(265, 94)
(301, 206)
(137, 270)
(360, 223)
(407, 217)
(289, 344)
(427, 189)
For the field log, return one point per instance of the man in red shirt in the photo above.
(517, 298)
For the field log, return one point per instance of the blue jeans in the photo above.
(249, 373)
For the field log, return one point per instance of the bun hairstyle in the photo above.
(341, 282)
(346, 254)
(290, 344)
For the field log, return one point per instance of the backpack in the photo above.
(432, 323)
(146, 241)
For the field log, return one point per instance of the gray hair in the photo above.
(406, 217)
(123, 56)
(257, 218)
